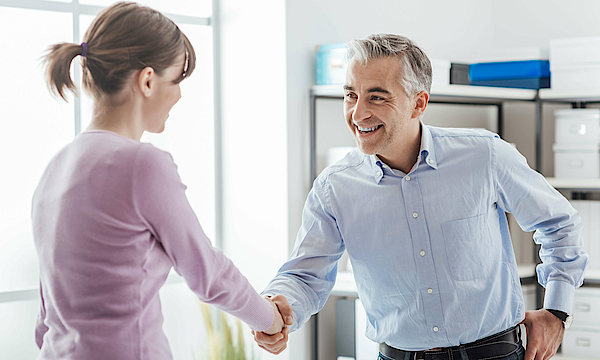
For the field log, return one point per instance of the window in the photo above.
(36, 125)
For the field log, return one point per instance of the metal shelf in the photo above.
(570, 96)
(575, 184)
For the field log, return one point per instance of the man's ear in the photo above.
(421, 101)
(145, 81)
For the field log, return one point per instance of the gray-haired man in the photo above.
(421, 212)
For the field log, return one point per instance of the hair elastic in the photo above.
(85, 49)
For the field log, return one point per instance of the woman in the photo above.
(110, 215)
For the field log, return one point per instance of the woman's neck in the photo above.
(123, 119)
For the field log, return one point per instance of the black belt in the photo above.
(501, 344)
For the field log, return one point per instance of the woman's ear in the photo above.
(145, 81)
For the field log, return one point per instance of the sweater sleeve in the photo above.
(40, 326)
(159, 196)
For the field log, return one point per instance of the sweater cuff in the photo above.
(559, 296)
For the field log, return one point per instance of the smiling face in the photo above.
(383, 119)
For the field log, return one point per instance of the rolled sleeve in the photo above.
(538, 207)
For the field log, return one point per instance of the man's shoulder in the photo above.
(439, 132)
(349, 165)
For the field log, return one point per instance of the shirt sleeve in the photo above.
(40, 327)
(536, 205)
(160, 199)
(309, 274)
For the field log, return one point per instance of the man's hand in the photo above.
(276, 343)
(544, 334)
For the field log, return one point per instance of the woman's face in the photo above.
(165, 94)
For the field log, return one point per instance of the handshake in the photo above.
(275, 338)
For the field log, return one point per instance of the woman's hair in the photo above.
(416, 68)
(123, 38)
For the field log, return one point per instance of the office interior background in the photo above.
(240, 134)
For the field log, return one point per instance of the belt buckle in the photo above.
(419, 355)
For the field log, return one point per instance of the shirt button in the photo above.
(379, 173)
(429, 291)
(422, 253)
(436, 329)
(430, 161)
(415, 215)
(407, 178)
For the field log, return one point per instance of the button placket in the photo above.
(415, 211)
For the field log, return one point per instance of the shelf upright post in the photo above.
(313, 137)
(539, 290)
(538, 133)
(313, 176)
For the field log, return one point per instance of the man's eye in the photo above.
(350, 95)
(376, 98)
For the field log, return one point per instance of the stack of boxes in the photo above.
(577, 143)
(575, 64)
(583, 338)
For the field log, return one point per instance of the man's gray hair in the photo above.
(416, 67)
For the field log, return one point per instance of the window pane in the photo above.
(35, 127)
(200, 8)
(17, 341)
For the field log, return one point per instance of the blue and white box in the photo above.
(331, 64)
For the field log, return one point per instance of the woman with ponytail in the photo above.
(110, 215)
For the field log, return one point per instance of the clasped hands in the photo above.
(275, 338)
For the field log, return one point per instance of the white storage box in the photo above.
(581, 77)
(576, 161)
(574, 51)
(441, 71)
(586, 308)
(581, 342)
(577, 126)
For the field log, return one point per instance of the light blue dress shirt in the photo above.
(431, 252)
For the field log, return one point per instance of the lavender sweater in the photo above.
(110, 219)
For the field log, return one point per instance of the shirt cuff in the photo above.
(559, 296)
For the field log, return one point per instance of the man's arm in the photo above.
(305, 281)
(537, 206)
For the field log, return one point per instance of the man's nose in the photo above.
(361, 110)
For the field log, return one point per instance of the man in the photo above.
(421, 212)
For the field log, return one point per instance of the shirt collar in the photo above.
(426, 154)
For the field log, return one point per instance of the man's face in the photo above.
(376, 108)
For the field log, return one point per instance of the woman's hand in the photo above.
(277, 342)
(278, 324)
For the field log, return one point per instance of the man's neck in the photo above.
(407, 154)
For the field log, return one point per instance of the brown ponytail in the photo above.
(58, 67)
(123, 38)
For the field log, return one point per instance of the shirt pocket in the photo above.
(467, 247)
